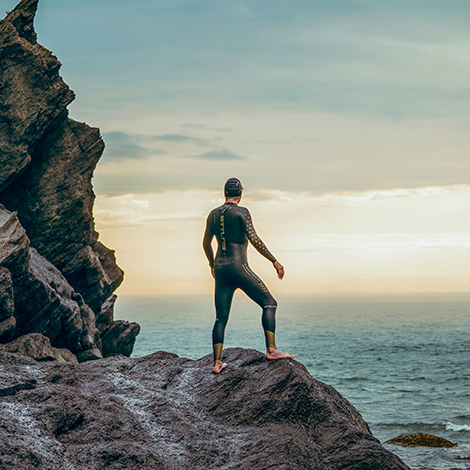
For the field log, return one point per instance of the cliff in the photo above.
(166, 412)
(56, 278)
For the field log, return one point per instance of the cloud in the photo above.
(382, 242)
(221, 154)
(130, 211)
(122, 146)
(364, 197)
(265, 195)
(209, 128)
(177, 138)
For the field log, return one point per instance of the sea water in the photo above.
(404, 365)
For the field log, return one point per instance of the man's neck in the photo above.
(233, 200)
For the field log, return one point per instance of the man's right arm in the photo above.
(207, 243)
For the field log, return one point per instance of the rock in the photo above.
(67, 355)
(119, 338)
(89, 355)
(32, 94)
(54, 273)
(47, 304)
(22, 18)
(114, 337)
(6, 326)
(420, 439)
(165, 412)
(108, 261)
(36, 346)
(39, 348)
(14, 244)
(7, 301)
(44, 302)
(105, 317)
(54, 200)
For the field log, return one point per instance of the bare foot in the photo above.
(219, 366)
(273, 354)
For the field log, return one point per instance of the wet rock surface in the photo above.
(55, 275)
(166, 412)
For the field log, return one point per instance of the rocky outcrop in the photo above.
(54, 201)
(38, 295)
(165, 412)
(55, 275)
(38, 347)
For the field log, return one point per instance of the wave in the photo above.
(424, 427)
(457, 427)
(412, 427)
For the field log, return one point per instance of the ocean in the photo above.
(404, 364)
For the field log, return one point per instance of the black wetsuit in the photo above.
(233, 227)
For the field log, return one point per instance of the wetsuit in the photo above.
(233, 227)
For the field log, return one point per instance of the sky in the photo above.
(346, 121)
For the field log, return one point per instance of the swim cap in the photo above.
(233, 187)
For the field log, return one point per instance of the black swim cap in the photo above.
(233, 187)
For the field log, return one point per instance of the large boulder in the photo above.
(165, 412)
(38, 347)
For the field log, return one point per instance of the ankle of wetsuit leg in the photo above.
(270, 339)
(218, 351)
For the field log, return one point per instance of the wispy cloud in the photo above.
(222, 154)
(364, 197)
(123, 146)
(352, 241)
(179, 138)
(208, 128)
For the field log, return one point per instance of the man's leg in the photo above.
(255, 288)
(223, 302)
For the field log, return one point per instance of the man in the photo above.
(232, 226)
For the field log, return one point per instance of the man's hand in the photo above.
(213, 273)
(279, 269)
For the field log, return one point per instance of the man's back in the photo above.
(231, 224)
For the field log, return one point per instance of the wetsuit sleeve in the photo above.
(207, 242)
(256, 241)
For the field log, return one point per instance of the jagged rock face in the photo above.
(32, 94)
(165, 412)
(46, 166)
(54, 200)
(37, 294)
